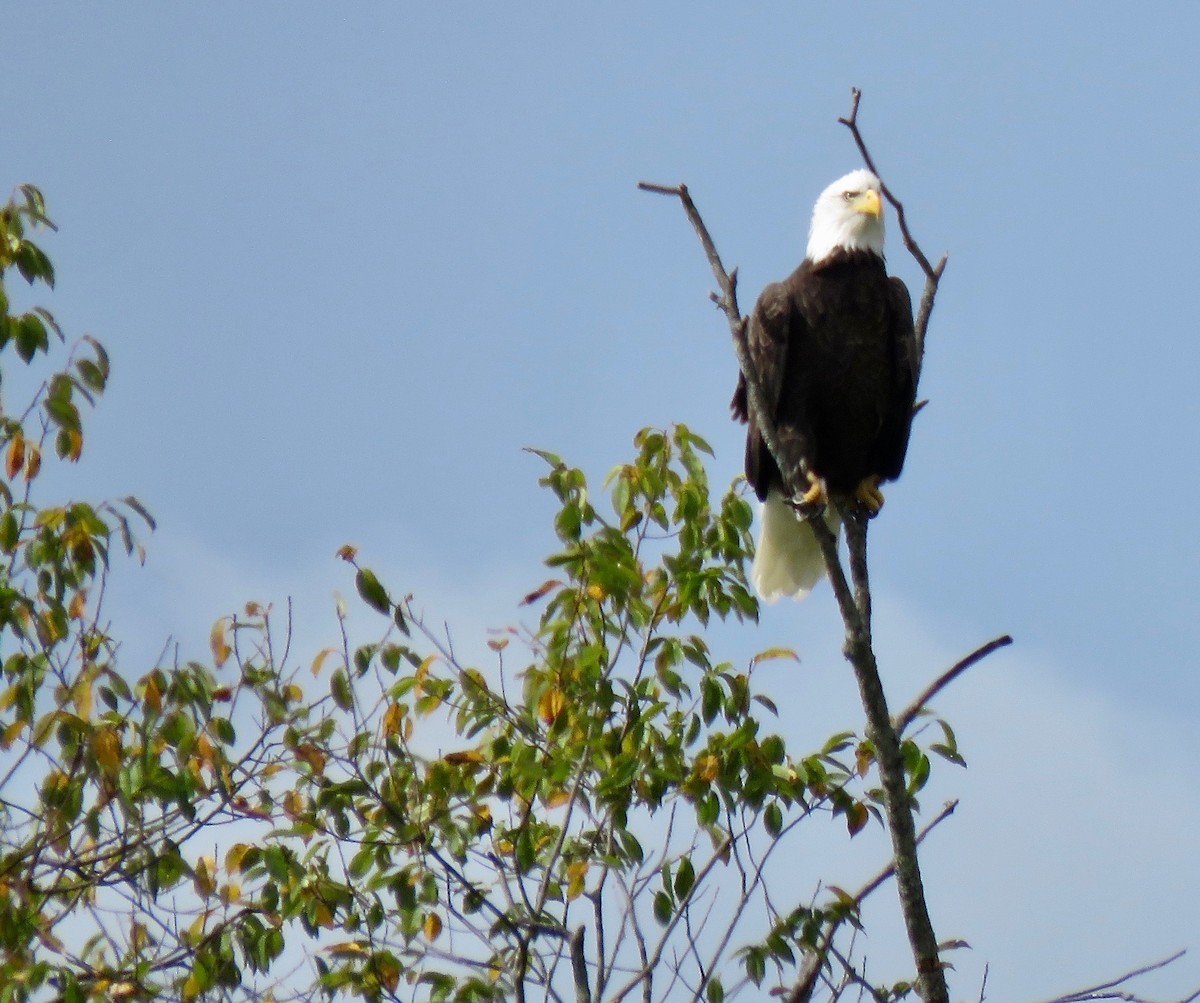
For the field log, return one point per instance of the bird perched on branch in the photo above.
(835, 354)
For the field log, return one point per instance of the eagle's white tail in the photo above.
(788, 560)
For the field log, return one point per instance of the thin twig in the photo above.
(1110, 990)
(933, 273)
(946, 678)
(790, 464)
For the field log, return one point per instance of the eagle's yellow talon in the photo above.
(815, 495)
(869, 495)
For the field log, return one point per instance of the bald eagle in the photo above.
(835, 352)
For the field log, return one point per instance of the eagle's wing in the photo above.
(769, 336)
(905, 364)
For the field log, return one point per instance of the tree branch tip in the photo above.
(679, 190)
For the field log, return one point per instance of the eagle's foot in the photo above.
(814, 499)
(868, 495)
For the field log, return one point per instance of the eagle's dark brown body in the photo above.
(834, 348)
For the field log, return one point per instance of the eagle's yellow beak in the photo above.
(869, 203)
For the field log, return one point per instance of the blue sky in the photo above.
(349, 264)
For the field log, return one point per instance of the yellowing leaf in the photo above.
(320, 660)
(432, 926)
(106, 747)
(551, 705)
(576, 878)
(220, 647)
(773, 653)
(9, 696)
(81, 696)
(44, 727)
(347, 552)
(313, 756)
(708, 767)
(293, 804)
(14, 459)
(33, 461)
(234, 856)
(348, 948)
(557, 799)
(392, 719)
(152, 698)
(596, 592)
(70, 444)
(540, 591)
(857, 816)
(195, 932)
(205, 878)
(464, 757)
(11, 733)
(388, 970)
(423, 669)
(77, 609)
(864, 755)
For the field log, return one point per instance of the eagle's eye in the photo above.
(849, 196)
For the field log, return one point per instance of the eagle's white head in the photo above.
(848, 215)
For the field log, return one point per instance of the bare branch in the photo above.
(583, 992)
(933, 273)
(1112, 989)
(946, 678)
(791, 467)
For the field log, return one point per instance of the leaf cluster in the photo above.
(603, 807)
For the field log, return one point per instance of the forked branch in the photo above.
(933, 273)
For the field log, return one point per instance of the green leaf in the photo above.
(222, 730)
(32, 263)
(685, 878)
(92, 376)
(662, 908)
(63, 413)
(372, 592)
(526, 854)
(756, 965)
(773, 818)
(711, 697)
(9, 531)
(30, 334)
(339, 687)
